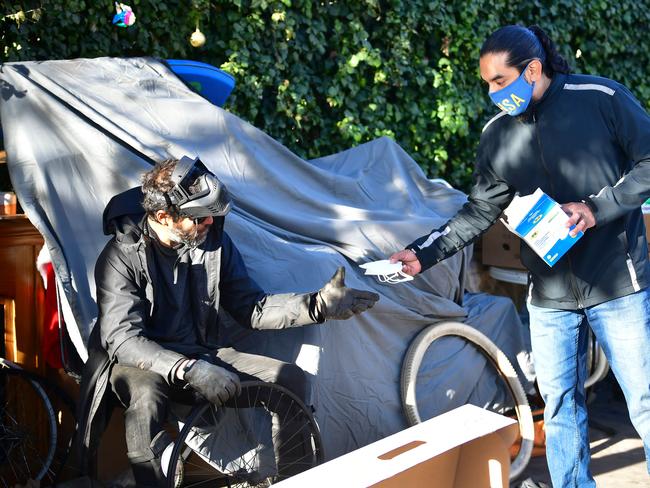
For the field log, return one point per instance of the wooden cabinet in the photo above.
(21, 291)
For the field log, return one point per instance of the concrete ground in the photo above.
(617, 456)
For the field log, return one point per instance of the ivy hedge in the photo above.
(324, 76)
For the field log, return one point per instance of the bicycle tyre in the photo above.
(259, 391)
(22, 457)
(413, 361)
(64, 409)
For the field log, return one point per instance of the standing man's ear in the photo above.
(534, 71)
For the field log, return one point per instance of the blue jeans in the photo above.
(559, 344)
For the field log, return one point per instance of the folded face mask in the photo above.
(386, 272)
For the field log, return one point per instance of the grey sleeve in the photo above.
(631, 126)
(123, 312)
(245, 300)
(284, 310)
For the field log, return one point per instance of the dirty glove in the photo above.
(215, 383)
(336, 301)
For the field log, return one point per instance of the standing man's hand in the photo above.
(580, 215)
(410, 262)
(215, 383)
(337, 301)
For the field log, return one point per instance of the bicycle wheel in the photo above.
(28, 431)
(413, 361)
(264, 435)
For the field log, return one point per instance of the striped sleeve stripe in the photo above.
(496, 117)
(590, 86)
(433, 236)
(605, 188)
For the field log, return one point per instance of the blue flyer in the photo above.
(541, 223)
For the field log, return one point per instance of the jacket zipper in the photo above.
(573, 285)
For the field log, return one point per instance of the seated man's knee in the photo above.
(153, 399)
(138, 389)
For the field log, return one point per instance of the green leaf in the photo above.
(324, 76)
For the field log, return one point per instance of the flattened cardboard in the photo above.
(467, 447)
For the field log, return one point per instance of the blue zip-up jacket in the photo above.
(587, 139)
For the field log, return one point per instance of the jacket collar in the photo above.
(538, 107)
(557, 82)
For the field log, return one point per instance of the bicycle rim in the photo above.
(276, 454)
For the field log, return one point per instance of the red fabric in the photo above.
(50, 336)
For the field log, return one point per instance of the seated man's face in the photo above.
(191, 232)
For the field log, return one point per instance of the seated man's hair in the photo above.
(155, 184)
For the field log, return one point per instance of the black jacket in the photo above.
(587, 139)
(133, 313)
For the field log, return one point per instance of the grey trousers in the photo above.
(147, 397)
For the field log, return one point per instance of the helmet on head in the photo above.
(197, 192)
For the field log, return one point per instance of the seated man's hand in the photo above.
(215, 383)
(338, 302)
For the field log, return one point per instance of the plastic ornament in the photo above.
(197, 39)
(124, 16)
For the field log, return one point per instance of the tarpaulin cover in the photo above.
(78, 132)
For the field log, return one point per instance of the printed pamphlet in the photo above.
(541, 223)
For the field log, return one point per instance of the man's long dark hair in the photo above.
(523, 44)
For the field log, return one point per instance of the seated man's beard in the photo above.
(190, 238)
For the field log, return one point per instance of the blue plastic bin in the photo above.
(207, 80)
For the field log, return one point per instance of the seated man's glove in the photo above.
(336, 301)
(215, 383)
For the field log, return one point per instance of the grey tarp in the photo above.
(78, 132)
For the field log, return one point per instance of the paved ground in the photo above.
(617, 452)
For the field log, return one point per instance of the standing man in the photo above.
(163, 283)
(585, 141)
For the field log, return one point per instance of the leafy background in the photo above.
(324, 76)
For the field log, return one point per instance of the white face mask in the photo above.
(386, 272)
(394, 278)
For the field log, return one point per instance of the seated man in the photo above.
(162, 281)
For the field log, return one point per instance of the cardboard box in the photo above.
(542, 223)
(501, 248)
(467, 447)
